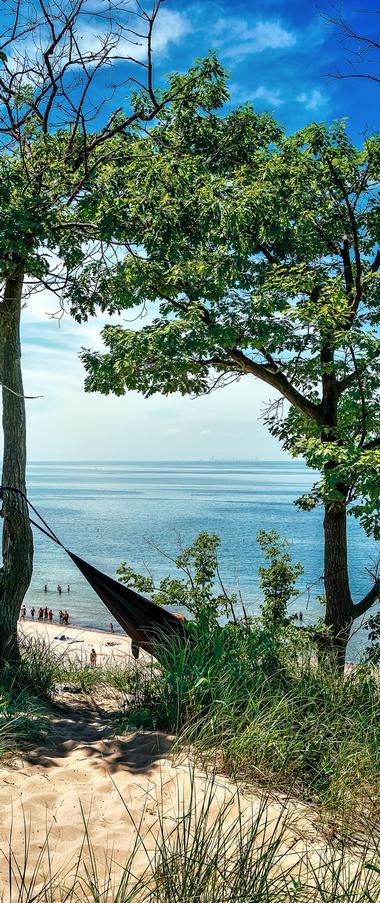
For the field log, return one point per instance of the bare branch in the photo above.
(18, 394)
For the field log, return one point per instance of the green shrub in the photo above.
(278, 579)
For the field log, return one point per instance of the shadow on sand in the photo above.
(89, 730)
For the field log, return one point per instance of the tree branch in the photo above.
(18, 394)
(278, 381)
(361, 607)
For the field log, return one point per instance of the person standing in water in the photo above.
(32, 613)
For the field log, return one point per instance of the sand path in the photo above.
(120, 786)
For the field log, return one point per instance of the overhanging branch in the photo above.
(278, 381)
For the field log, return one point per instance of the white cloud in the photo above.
(312, 100)
(240, 40)
(170, 27)
(271, 96)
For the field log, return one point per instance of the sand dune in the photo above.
(120, 786)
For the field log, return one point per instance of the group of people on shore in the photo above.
(44, 614)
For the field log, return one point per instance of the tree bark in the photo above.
(339, 606)
(17, 546)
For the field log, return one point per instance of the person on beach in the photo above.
(32, 613)
(23, 613)
(93, 658)
(50, 615)
(40, 614)
(65, 617)
(111, 626)
(46, 612)
(61, 616)
(301, 616)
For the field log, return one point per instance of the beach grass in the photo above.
(23, 724)
(269, 717)
(266, 713)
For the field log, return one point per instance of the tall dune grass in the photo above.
(271, 716)
(22, 723)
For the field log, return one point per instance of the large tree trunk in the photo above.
(339, 606)
(17, 548)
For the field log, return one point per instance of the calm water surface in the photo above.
(109, 512)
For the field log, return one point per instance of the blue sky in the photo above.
(280, 55)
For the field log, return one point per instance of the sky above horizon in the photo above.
(280, 57)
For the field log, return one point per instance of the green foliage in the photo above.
(195, 592)
(278, 579)
(258, 255)
(52, 186)
(23, 725)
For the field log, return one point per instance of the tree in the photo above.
(60, 133)
(259, 255)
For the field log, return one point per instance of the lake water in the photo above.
(112, 511)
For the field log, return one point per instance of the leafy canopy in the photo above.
(254, 253)
(54, 224)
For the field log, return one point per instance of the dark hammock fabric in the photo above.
(141, 619)
(144, 621)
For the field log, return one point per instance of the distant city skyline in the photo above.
(279, 58)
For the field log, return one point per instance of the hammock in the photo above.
(143, 620)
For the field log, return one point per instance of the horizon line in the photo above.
(165, 461)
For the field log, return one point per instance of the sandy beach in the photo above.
(79, 641)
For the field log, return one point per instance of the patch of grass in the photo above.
(39, 666)
(22, 723)
(271, 715)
